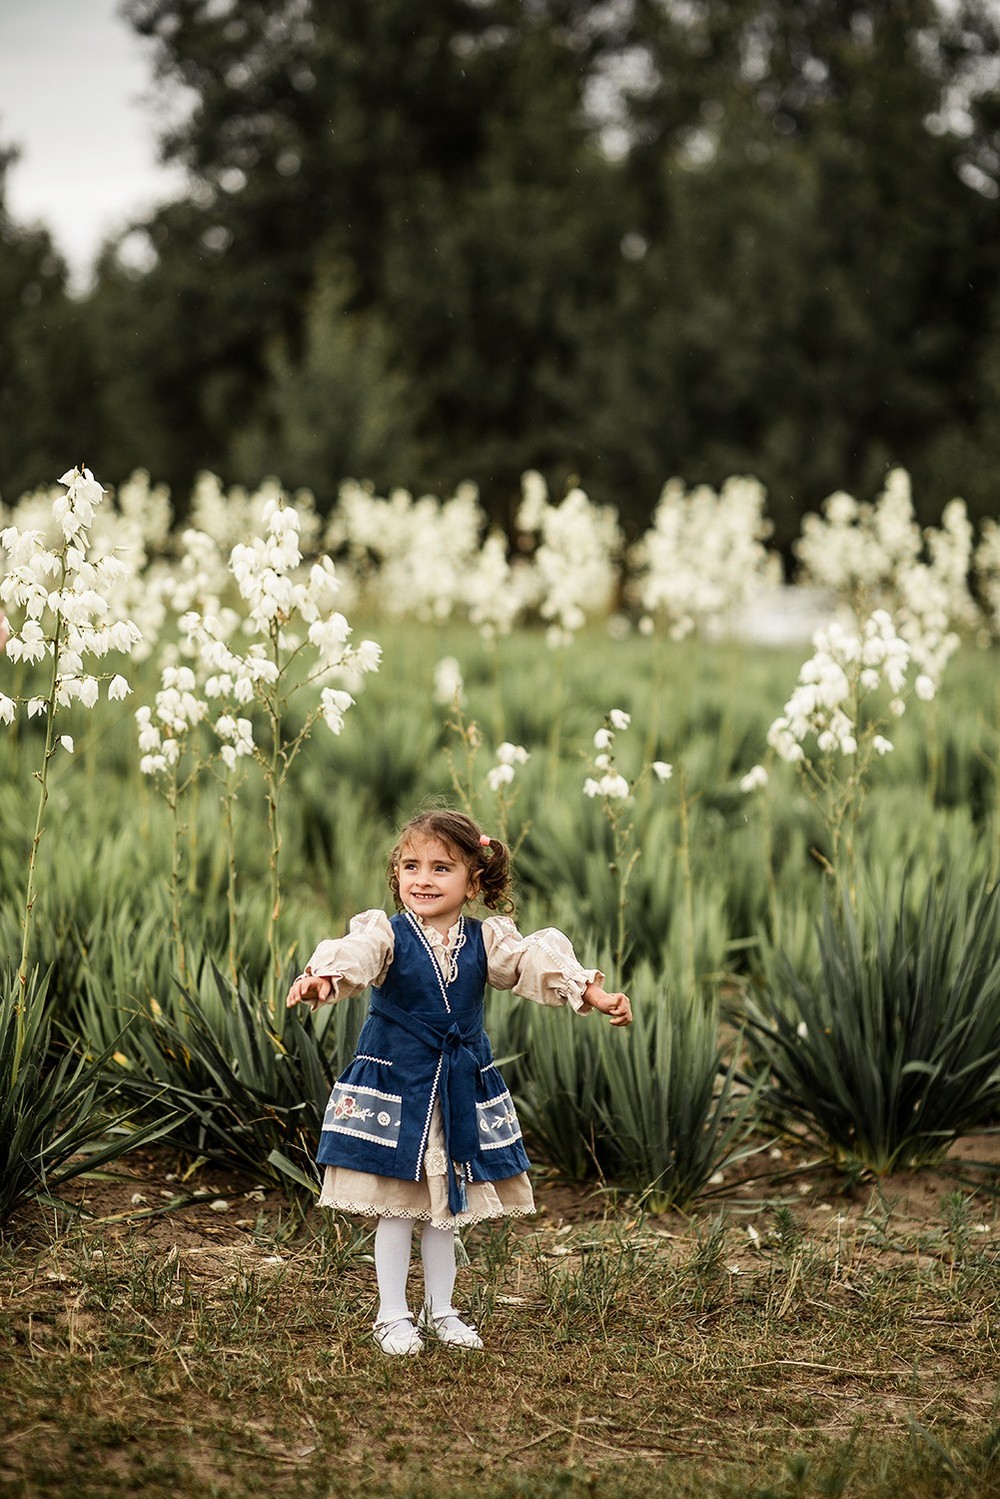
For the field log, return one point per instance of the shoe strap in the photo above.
(384, 1330)
(452, 1317)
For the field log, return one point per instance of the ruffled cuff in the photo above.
(576, 986)
(336, 979)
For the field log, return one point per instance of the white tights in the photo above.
(392, 1263)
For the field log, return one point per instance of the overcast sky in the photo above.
(73, 76)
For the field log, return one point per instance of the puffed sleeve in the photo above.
(359, 958)
(541, 966)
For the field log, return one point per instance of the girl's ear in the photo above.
(474, 885)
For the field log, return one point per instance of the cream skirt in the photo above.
(427, 1199)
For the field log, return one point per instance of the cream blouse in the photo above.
(542, 966)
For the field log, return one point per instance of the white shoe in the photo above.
(450, 1329)
(399, 1336)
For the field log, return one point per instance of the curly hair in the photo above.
(487, 858)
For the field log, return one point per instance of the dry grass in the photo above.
(849, 1348)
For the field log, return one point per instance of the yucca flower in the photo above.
(422, 556)
(508, 757)
(755, 778)
(574, 559)
(63, 592)
(64, 595)
(448, 681)
(877, 556)
(612, 785)
(832, 726)
(303, 642)
(703, 557)
(845, 668)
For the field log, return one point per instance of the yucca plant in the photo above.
(60, 1114)
(657, 1110)
(674, 1112)
(557, 1087)
(243, 1091)
(889, 1048)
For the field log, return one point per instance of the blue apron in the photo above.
(422, 1043)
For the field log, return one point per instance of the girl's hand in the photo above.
(311, 989)
(617, 1007)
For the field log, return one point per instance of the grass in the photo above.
(625, 1356)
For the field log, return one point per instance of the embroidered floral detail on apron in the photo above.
(365, 1113)
(498, 1123)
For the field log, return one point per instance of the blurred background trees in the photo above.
(427, 243)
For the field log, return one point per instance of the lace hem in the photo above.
(460, 1220)
(436, 1161)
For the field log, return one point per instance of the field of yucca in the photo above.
(867, 1001)
(850, 1013)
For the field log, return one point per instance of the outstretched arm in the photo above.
(617, 1007)
(342, 966)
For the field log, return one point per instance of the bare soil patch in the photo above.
(165, 1202)
(186, 1334)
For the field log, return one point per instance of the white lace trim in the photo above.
(444, 960)
(430, 1114)
(436, 1161)
(462, 1220)
(445, 948)
(446, 945)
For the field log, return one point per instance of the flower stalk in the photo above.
(42, 776)
(684, 805)
(615, 792)
(67, 614)
(276, 599)
(835, 707)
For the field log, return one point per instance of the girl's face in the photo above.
(434, 883)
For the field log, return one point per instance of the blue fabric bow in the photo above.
(457, 1086)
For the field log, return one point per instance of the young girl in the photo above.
(420, 1126)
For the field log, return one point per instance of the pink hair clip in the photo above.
(484, 841)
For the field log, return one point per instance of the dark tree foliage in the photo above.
(825, 262)
(442, 156)
(622, 241)
(48, 408)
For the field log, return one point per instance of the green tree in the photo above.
(823, 250)
(49, 413)
(788, 263)
(342, 408)
(441, 153)
(182, 350)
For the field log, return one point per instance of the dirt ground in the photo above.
(160, 1202)
(224, 1348)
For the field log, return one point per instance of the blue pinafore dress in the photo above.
(424, 1044)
